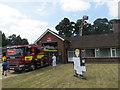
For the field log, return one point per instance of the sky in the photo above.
(31, 18)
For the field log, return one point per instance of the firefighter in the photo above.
(54, 61)
(78, 65)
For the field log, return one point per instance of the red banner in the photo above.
(11, 52)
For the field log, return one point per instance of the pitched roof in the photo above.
(50, 31)
(95, 41)
(90, 41)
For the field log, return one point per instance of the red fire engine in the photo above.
(27, 57)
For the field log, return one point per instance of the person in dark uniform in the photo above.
(5, 68)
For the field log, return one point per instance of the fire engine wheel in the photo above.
(19, 71)
(32, 67)
(16, 70)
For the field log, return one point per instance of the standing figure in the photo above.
(78, 65)
(83, 61)
(54, 61)
(5, 68)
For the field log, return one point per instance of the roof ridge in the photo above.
(52, 32)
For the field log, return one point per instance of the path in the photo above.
(10, 74)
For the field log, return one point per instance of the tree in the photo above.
(77, 27)
(101, 26)
(87, 28)
(113, 20)
(24, 41)
(17, 40)
(13, 40)
(65, 27)
(4, 40)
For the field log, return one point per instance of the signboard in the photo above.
(49, 39)
(11, 52)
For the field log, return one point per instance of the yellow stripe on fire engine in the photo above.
(40, 56)
(50, 50)
(28, 58)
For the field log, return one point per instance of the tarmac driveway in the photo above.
(10, 73)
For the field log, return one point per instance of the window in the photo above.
(97, 52)
(105, 52)
(90, 53)
(113, 52)
(37, 51)
(71, 54)
(83, 53)
(28, 50)
(102, 52)
(118, 52)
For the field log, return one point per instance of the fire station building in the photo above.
(95, 48)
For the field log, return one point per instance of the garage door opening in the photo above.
(52, 48)
(51, 45)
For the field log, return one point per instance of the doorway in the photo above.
(52, 48)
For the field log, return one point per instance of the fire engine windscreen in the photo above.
(15, 51)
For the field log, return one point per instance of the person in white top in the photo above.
(77, 65)
(54, 61)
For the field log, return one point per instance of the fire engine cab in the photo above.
(27, 57)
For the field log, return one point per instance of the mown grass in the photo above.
(98, 76)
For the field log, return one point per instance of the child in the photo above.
(5, 68)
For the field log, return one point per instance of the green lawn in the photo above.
(98, 76)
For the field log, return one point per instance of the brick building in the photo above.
(95, 48)
(52, 39)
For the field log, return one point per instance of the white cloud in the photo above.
(8, 14)
(111, 4)
(26, 1)
(80, 5)
(54, 2)
(14, 22)
(74, 5)
(113, 8)
(26, 32)
(31, 23)
(29, 28)
(46, 8)
(42, 11)
(100, 2)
